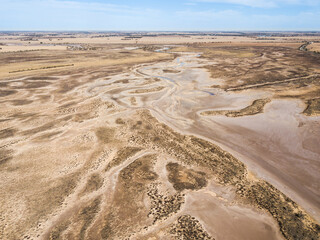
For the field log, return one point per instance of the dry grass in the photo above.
(188, 227)
(255, 108)
(315, 47)
(42, 68)
(155, 89)
(313, 107)
(183, 178)
(15, 63)
(26, 48)
(211, 53)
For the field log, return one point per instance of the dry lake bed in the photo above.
(159, 137)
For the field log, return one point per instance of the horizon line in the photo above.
(232, 31)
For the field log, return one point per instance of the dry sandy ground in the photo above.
(115, 146)
(162, 39)
(17, 48)
(314, 47)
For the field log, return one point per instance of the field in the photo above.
(315, 47)
(159, 137)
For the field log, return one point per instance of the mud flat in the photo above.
(117, 147)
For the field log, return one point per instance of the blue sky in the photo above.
(161, 15)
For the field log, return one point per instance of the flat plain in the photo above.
(159, 136)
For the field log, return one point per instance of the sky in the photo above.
(161, 15)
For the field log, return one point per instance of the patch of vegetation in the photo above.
(133, 101)
(294, 223)
(93, 184)
(31, 85)
(155, 89)
(127, 212)
(21, 102)
(170, 71)
(124, 81)
(122, 155)
(255, 108)
(57, 231)
(187, 228)
(4, 93)
(48, 136)
(45, 202)
(47, 67)
(5, 155)
(183, 178)
(105, 135)
(7, 132)
(313, 107)
(212, 53)
(163, 206)
(87, 214)
(80, 117)
(46, 126)
(120, 121)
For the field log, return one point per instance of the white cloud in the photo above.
(207, 14)
(250, 3)
(74, 5)
(265, 3)
(239, 21)
(75, 15)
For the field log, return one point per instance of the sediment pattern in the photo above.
(86, 154)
